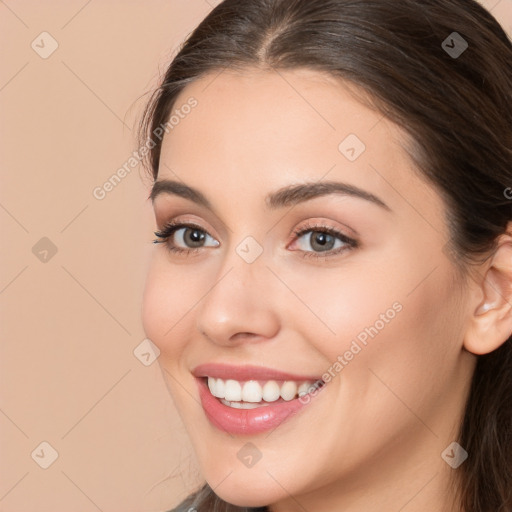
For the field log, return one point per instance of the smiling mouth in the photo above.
(244, 417)
(248, 399)
(251, 394)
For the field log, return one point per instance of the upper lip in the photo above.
(245, 372)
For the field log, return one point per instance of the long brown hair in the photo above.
(457, 107)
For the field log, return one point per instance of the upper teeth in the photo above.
(253, 391)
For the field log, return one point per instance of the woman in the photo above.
(331, 296)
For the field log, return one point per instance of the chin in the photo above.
(246, 494)
(242, 486)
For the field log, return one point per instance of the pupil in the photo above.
(195, 236)
(324, 241)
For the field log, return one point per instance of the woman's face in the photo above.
(363, 298)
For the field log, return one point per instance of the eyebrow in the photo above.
(286, 196)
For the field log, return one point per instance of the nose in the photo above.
(239, 306)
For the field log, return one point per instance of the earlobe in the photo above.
(491, 322)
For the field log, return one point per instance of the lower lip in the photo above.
(246, 421)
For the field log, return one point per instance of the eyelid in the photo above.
(184, 220)
(171, 211)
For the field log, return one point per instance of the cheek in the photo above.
(387, 361)
(336, 307)
(370, 298)
(168, 299)
(380, 328)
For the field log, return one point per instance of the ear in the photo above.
(491, 321)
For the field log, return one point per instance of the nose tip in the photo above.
(238, 309)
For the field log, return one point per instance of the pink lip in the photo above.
(247, 372)
(247, 421)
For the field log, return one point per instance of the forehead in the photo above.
(279, 127)
(265, 112)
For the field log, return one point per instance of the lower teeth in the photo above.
(244, 405)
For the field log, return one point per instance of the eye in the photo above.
(325, 241)
(184, 238)
(322, 241)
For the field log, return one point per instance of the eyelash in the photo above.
(169, 229)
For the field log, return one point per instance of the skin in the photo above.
(372, 438)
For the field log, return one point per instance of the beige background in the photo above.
(70, 321)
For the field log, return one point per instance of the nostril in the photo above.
(243, 335)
